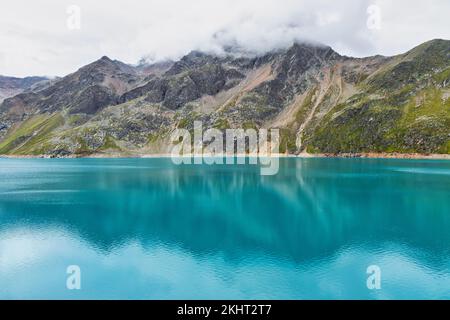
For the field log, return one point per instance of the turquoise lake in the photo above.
(149, 229)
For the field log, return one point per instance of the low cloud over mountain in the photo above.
(36, 39)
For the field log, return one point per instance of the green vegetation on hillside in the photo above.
(324, 102)
(31, 135)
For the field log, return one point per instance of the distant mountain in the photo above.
(11, 86)
(321, 101)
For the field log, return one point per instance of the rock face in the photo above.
(194, 76)
(321, 102)
(91, 88)
(11, 86)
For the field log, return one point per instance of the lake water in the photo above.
(148, 229)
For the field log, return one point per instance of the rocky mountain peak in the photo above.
(192, 60)
(321, 101)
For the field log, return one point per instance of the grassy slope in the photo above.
(421, 125)
(31, 135)
(404, 107)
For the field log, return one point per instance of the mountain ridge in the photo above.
(11, 86)
(322, 102)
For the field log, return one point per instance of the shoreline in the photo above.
(369, 155)
(382, 155)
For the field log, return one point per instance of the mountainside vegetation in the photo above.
(322, 102)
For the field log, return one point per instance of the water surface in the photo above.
(148, 229)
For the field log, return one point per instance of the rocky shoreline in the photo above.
(302, 155)
(388, 155)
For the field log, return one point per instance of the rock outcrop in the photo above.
(321, 101)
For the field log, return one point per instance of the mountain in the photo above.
(321, 101)
(11, 86)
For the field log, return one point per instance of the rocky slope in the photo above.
(322, 102)
(11, 86)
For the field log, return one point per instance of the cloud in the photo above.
(36, 39)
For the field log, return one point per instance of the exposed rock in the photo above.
(321, 101)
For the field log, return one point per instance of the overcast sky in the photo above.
(48, 37)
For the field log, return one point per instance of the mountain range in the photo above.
(11, 86)
(321, 101)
